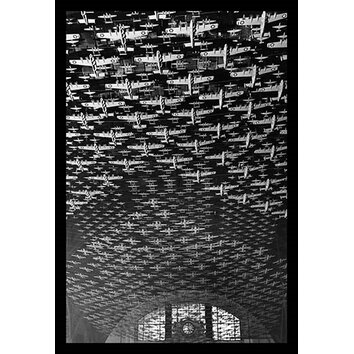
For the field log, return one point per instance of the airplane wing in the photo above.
(191, 174)
(130, 118)
(114, 103)
(233, 94)
(75, 87)
(184, 159)
(136, 147)
(105, 61)
(240, 138)
(87, 147)
(239, 50)
(103, 135)
(114, 178)
(165, 161)
(186, 144)
(157, 133)
(201, 79)
(203, 111)
(182, 114)
(118, 86)
(176, 132)
(171, 57)
(209, 129)
(106, 147)
(212, 157)
(151, 102)
(140, 84)
(183, 30)
(155, 146)
(277, 17)
(171, 101)
(279, 44)
(137, 34)
(82, 62)
(212, 188)
(87, 163)
(230, 126)
(206, 142)
(147, 59)
(208, 173)
(115, 36)
(136, 162)
(210, 96)
(72, 36)
(243, 73)
(213, 53)
(122, 135)
(148, 116)
(202, 27)
(179, 81)
(119, 162)
(96, 178)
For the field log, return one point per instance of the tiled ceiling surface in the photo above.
(176, 158)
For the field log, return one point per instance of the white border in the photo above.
(326, 157)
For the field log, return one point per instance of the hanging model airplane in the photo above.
(159, 59)
(198, 175)
(191, 80)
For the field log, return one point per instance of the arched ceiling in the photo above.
(191, 197)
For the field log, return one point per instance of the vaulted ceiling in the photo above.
(176, 159)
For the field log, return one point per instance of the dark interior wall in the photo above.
(79, 329)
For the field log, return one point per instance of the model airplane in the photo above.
(105, 178)
(261, 20)
(88, 194)
(222, 188)
(129, 86)
(96, 148)
(161, 15)
(92, 61)
(123, 34)
(246, 139)
(253, 72)
(283, 43)
(225, 53)
(223, 156)
(159, 59)
(198, 175)
(194, 29)
(270, 151)
(127, 164)
(80, 163)
(175, 160)
(193, 114)
(83, 119)
(196, 144)
(220, 97)
(219, 128)
(276, 88)
(137, 117)
(73, 203)
(72, 37)
(166, 133)
(146, 147)
(113, 134)
(191, 80)
(162, 102)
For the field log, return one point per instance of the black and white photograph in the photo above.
(176, 173)
(177, 176)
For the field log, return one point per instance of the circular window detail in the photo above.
(188, 328)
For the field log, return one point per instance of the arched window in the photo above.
(189, 322)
